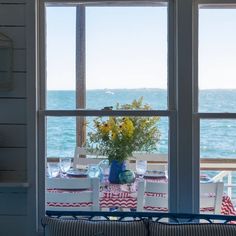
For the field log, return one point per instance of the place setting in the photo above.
(64, 168)
(143, 172)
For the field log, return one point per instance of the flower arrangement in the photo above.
(118, 137)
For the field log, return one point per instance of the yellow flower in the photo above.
(127, 127)
(113, 135)
(104, 128)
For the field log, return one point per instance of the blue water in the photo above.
(217, 137)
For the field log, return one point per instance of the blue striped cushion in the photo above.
(65, 227)
(162, 229)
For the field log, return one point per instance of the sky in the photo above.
(126, 47)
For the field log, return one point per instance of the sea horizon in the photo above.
(217, 137)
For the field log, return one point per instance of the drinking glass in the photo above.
(166, 171)
(94, 170)
(105, 167)
(53, 169)
(65, 164)
(141, 167)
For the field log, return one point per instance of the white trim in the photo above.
(197, 116)
(195, 122)
(31, 117)
(183, 164)
(172, 146)
(41, 64)
(43, 113)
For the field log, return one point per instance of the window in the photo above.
(216, 91)
(102, 55)
(96, 56)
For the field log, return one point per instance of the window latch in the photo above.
(109, 108)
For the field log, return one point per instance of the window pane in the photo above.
(217, 63)
(218, 139)
(126, 55)
(218, 157)
(112, 135)
(61, 134)
(60, 57)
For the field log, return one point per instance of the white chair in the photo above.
(211, 197)
(150, 166)
(83, 158)
(79, 151)
(152, 196)
(72, 194)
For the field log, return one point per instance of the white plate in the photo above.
(77, 172)
(154, 173)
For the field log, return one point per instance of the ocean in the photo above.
(217, 137)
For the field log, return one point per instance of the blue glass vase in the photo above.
(115, 169)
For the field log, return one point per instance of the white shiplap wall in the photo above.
(13, 124)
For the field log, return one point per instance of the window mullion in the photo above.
(172, 161)
(80, 73)
(187, 186)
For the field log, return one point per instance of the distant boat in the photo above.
(110, 92)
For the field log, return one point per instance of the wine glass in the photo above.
(141, 167)
(65, 164)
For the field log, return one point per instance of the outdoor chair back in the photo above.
(211, 197)
(72, 194)
(152, 196)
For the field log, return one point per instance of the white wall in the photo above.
(16, 19)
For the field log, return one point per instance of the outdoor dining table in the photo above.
(124, 196)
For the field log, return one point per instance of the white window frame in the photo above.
(184, 118)
(170, 113)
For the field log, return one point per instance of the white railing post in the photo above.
(230, 184)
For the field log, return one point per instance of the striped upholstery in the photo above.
(161, 229)
(65, 227)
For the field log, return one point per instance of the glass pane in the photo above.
(117, 137)
(126, 55)
(218, 159)
(60, 57)
(61, 133)
(60, 136)
(216, 65)
(218, 139)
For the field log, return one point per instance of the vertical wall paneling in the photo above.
(12, 14)
(19, 60)
(13, 158)
(14, 111)
(13, 125)
(12, 136)
(17, 34)
(17, 197)
(18, 88)
(13, 225)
